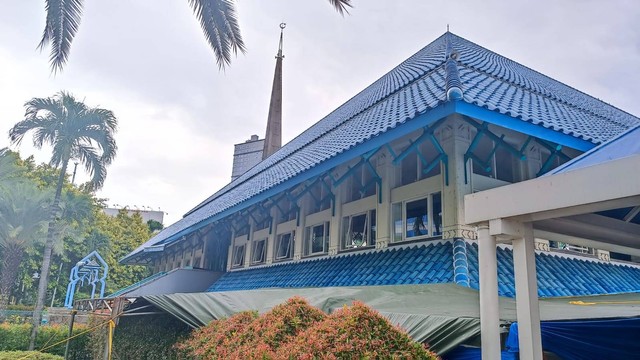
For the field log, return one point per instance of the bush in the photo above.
(355, 332)
(30, 355)
(249, 336)
(15, 337)
(296, 330)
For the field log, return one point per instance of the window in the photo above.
(319, 197)
(316, 240)
(286, 210)
(359, 230)
(361, 184)
(416, 219)
(284, 246)
(259, 251)
(419, 164)
(238, 256)
(500, 164)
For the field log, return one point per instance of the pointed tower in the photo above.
(273, 136)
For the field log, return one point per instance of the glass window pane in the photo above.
(317, 240)
(284, 246)
(409, 168)
(417, 218)
(396, 212)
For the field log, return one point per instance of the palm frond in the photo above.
(219, 23)
(63, 20)
(341, 6)
(93, 164)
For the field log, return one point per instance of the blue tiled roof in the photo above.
(561, 276)
(433, 263)
(423, 264)
(415, 87)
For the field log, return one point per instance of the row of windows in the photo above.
(414, 219)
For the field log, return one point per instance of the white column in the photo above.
(528, 311)
(489, 306)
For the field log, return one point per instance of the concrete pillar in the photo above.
(455, 138)
(489, 306)
(528, 311)
(334, 227)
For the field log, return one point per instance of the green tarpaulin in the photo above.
(441, 315)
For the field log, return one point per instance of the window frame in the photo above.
(307, 244)
(234, 258)
(369, 223)
(291, 246)
(432, 229)
(254, 246)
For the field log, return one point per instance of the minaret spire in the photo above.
(273, 136)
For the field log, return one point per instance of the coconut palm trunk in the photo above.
(43, 282)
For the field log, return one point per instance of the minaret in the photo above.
(273, 137)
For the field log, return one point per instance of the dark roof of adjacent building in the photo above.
(558, 274)
(622, 146)
(415, 88)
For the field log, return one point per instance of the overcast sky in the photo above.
(179, 117)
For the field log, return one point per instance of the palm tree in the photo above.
(75, 131)
(217, 18)
(24, 211)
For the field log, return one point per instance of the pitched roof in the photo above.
(416, 87)
(558, 274)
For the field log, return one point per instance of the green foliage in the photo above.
(125, 233)
(15, 337)
(30, 355)
(154, 225)
(148, 337)
(296, 330)
(84, 228)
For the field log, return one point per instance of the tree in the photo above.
(75, 131)
(217, 19)
(9, 169)
(24, 211)
(125, 234)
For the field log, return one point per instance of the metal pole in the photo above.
(66, 347)
(53, 298)
(73, 177)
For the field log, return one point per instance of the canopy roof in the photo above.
(415, 94)
(443, 315)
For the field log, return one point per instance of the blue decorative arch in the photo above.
(91, 270)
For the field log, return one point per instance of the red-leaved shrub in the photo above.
(296, 330)
(356, 332)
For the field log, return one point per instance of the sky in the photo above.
(179, 116)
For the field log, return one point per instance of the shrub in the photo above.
(248, 336)
(30, 355)
(296, 330)
(16, 337)
(355, 332)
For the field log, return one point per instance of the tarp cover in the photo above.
(441, 315)
(587, 339)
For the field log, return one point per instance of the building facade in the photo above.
(373, 194)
